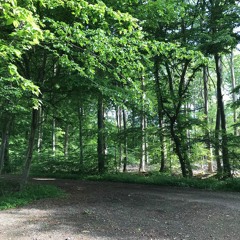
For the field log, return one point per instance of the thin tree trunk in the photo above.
(233, 93)
(217, 145)
(119, 128)
(187, 151)
(160, 116)
(66, 141)
(35, 115)
(40, 132)
(144, 154)
(101, 140)
(53, 137)
(207, 133)
(80, 120)
(7, 164)
(125, 142)
(29, 154)
(142, 165)
(4, 141)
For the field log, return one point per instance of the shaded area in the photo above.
(101, 210)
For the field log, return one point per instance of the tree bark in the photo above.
(144, 153)
(40, 132)
(220, 106)
(66, 141)
(101, 140)
(207, 133)
(160, 116)
(217, 145)
(53, 137)
(233, 93)
(4, 141)
(125, 158)
(29, 154)
(178, 148)
(178, 132)
(80, 120)
(119, 128)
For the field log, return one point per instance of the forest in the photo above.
(120, 86)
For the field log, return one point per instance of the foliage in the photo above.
(167, 180)
(58, 56)
(10, 196)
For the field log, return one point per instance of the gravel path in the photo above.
(107, 211)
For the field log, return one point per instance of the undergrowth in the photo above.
(155, 178)
(11, 197)
(166, 180)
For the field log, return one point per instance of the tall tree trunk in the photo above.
(4, 141)
(233, 94)
(80, 121)
(66, 141)
(207, 133)
(29, 154)
(119, 129)
(143, 160)
(144, 153)
(160, 116)
(35, 113)
(220, 106)
(217, 145)
(187, 151)
(7, 164)
(125, 142)
(101, 140)
(53, 137)
(40, 132)
(177, 131)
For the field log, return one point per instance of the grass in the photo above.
(165, 180)
(11, 197)
(156, 178)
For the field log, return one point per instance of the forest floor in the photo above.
(108, 211)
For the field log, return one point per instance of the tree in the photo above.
(219, 25)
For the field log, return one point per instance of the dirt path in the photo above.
(110, 211)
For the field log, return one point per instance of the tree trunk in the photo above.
(29, 154)
(125, 142)
(101, 139)
(66, 141)
(40, 132)
(7, 164)
(4, 141)
(217, 145)
(233, 94)
(220, 106)
(207, 133)
(53, 137)
(80, 120)
(119, 128)
(178, 149)
(160, 116)
(144, 153)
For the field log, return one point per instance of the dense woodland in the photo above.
(105, 86)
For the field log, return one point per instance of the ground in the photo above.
(108, 211)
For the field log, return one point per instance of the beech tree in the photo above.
(68, 67)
